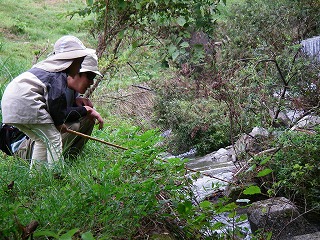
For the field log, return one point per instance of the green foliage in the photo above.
(251, 190)
(296, 168)
(107, 190)
(109, 193)
(162, 26)
(257, 27)
(258, 61)
(195, 123)
(292, 171)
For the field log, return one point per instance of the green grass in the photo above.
(106, 191)
(29, 26)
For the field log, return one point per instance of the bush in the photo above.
(296, 168)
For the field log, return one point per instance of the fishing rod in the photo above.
(95, 139)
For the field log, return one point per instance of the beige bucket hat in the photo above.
(90, 64)
(70, 47)
(65, 50)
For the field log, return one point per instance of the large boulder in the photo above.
(280, 216)
(252, 142)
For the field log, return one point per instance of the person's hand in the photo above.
(82, 101)
(94, 115)
(62, 128)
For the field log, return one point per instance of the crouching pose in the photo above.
(80, 115)
(35, 101)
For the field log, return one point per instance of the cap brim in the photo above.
(88, 70)
(72, 54)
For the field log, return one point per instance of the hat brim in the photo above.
(72, 54)
(88, 70)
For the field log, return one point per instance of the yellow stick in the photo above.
(95, 139)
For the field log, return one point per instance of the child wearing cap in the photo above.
(35, 101)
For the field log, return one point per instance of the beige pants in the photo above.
(71, 144)
(47, 146)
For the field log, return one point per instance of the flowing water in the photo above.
(216, 170)
(311, 47)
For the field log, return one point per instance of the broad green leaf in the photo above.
(175, 55)
(242, 218)
(138, 6)
(217, 225)
(181, 21)
(87, 236)
(135, 44)
(89, 2)
(172, 49)
(45, 233)
(121, 34)
(184, 45)
(205, 204)
(227, 208)
(68, 235)
(264, 172)
(200, 218)
(264, 161)
(185, 207)
(252, 190)
(122, 4)
(232, 214)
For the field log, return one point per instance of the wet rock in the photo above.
(280, 216)
(252, 142)
(311, 236)
(307, 122)
(222, 155)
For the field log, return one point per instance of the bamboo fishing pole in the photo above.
(95, 139)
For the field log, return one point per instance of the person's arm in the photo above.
(94, 115)
(75, 113)
(56, 97)
(56, 85)
(83, 107)
(82, 101)
(75, 103)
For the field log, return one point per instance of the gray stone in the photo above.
(280, 216)
(222, 155)
(311, 236)
(253, 142)
(307, 122)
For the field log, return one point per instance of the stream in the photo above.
(220, 166)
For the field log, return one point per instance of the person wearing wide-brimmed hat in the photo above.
(80, 115)
(35, 101)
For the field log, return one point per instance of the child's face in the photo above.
(75, 67)
(81, 82)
